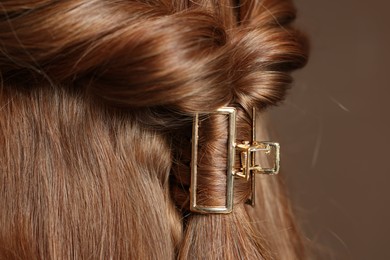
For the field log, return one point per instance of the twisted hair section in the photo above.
(95, 130)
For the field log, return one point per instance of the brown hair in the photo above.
(96, 107)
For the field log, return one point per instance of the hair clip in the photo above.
(248, 168)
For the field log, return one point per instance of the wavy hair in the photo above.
(97, 100)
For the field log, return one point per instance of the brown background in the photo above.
(334, 129)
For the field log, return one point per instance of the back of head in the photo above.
(96, 109)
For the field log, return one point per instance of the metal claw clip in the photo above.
(248, 167)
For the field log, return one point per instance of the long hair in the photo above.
(96, 107)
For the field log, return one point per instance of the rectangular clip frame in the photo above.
(228, 207)
(249, 167)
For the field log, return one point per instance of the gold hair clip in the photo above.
(247, 169)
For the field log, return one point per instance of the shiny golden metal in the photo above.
(247, 169)
(195, 207)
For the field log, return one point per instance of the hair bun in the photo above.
(133, 55)
(172, 60)
(146, 56)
